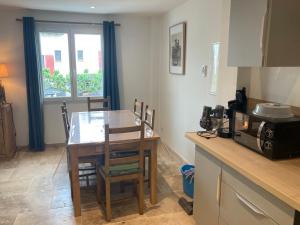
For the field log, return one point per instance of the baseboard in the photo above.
(26, 147)
(56, 145)
(175, 152)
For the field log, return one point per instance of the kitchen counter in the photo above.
(280, 178)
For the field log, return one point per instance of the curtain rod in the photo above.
(67, 22)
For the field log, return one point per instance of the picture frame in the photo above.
(177, 48)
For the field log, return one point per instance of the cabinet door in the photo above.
(247, 23)
(9, 133)
(2, 143)
(283, 42)
(207, 188)
(237, 209)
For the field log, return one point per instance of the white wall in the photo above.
(280, 84)
(11, 52)
(133, 55)
(181, 98)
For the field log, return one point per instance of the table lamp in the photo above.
(3, 74)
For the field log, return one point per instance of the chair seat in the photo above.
(124, 169)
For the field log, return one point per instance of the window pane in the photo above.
(214, 70)
(80, 55)
(89, 65)
(55, 64)
(57, 54)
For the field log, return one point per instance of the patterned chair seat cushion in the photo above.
(124, 169)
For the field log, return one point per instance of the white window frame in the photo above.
(71, 30)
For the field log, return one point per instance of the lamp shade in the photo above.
(3, 70)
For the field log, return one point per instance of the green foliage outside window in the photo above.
(87, 83)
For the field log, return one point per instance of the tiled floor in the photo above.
(34, 190)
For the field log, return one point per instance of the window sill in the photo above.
(56, 101)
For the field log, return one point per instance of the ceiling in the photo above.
(97, 6)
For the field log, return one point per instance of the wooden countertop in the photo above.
(280, 178)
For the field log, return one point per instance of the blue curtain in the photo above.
(34, 88)
(111, 87)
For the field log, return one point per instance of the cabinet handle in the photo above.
(262, 29)
(219, 188)
(250, 205)
(262, 32)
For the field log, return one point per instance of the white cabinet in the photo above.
(237, 209)
(264, 33)
(207, 189)
(224, 197)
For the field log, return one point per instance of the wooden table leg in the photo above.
(153, 178)
(75, 181)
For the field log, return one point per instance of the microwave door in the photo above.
(249, 132)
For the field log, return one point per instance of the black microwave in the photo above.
(272, 138)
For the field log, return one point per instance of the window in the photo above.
(89, 74)
(215, 66)
(57, 54)
(80, 56)
(71, 70)
(56, 77)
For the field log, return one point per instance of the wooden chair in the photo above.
(149, 122)
(64, 113)
(149, 117)
(65, 116)
(87, 166)
(119, 167)
(105, 102)
(138, 109)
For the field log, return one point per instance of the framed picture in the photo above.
(177, 39)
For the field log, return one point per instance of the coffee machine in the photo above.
(219, 121)
(211, 118)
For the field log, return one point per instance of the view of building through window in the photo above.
(88, 65)
(56, 73)
(59, 72)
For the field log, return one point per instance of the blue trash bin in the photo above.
(188, 180)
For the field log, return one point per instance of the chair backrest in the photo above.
(103, 104)
(64, 113)
(138, 109)
(149, 117)
(112, 148)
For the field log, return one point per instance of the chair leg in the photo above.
(135, 187)
(107, 196)
(71, 186)
(141, 194)
(144, 166)
(99, 187)
(87, 181)
(149, 171)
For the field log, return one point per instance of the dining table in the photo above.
(86, 139)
